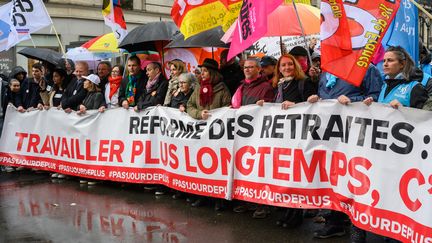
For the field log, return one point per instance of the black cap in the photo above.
(210, 63)
(268, 60)
(298, 51)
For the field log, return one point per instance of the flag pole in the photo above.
(303, 33)
(34, 45)
(58, 39)
(421, 8)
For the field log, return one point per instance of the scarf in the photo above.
(206, 92)
(131, 89)
(151, 83)
(114, 84)
(283, 83)
(331, 80)
(236, 101)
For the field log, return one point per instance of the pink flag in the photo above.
(251, 24)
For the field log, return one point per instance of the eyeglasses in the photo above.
(249, 67)
(115, 71)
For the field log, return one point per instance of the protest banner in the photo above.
(370, 162)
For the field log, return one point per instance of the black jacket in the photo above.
(94, 100)
(295, 91)
(156, 96)
(9, 97)
(232, 76)
(30, 91)
(180, 99)
(74, 94)
(419, 94)
(140, 88)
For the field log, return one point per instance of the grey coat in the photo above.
(93, 100)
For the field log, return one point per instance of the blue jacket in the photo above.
(371, 86)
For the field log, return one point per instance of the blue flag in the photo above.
(404, 30)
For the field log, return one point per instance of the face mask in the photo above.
(303, 63)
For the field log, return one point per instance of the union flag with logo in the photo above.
(351, 33)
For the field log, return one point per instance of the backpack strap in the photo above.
(301, 87)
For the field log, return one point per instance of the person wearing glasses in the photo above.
(181, 97)
(112, 88)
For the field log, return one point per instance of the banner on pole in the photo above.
(372, 163)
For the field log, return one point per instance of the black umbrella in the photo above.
(42, 54)
(149, 36)
(209, 38)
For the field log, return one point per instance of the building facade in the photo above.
(81, 20)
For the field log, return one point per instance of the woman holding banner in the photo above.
(180, 98)
(293, 87)
(292, 83)
(94, 98)
(211, 93)
(112, 88)
(402, 87)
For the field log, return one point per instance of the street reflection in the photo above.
(104, 213)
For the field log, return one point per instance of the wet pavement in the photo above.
(35, 208)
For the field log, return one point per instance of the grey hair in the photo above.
(256, 60)
(188, 77)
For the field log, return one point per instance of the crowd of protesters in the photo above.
(231, 83)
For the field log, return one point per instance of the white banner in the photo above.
(369, 162)
(271, 45)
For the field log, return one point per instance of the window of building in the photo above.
(127, 4)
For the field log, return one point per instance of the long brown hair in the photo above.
(215, 76)
(298, 72)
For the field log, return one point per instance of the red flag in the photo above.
(335, 22)
(368, 22)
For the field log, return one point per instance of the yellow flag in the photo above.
(299, 1)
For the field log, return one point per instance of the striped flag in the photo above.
(113, 17)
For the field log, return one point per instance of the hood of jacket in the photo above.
(16, 70)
